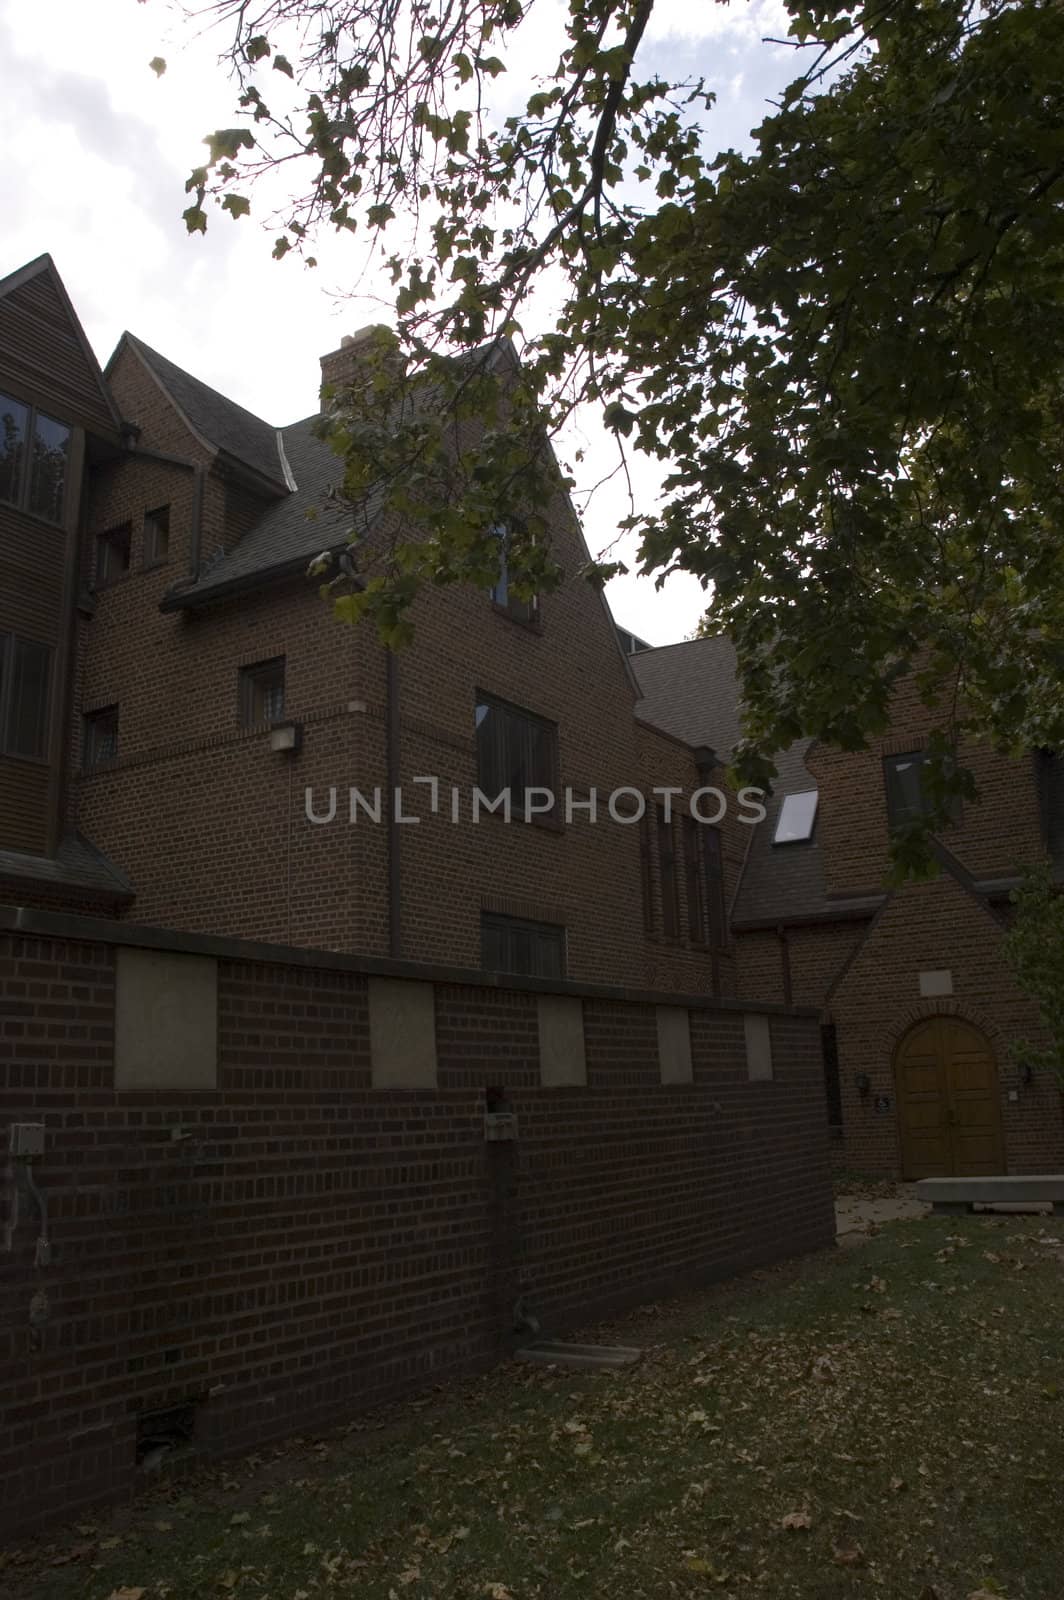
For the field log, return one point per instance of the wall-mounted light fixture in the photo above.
(286, 737)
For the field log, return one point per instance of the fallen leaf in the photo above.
(848, 1555)
(796, 1519)
(238, 1519)
(127, 1594)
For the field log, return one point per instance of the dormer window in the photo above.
(794, 825)
(33, 460)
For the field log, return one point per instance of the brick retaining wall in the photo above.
(295, 1242)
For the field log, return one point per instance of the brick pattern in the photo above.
(929, 927)
(210, 824)
(309, 1245)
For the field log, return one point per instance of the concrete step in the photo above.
(552, 1352)
(960, 1194)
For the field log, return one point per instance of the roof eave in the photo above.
(198, 595)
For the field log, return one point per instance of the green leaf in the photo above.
(236, 205)
(195, 219)
(157, 65)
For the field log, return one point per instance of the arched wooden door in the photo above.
(949, 1101)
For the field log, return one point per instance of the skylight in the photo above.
(797, 815)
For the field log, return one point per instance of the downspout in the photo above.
(785, 963)
(392, 749)
(195, 533)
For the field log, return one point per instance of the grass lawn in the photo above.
(888, 1421)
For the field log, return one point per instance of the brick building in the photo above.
(322, 1111)
(917, 1003)
(213, 693)
(201, 692)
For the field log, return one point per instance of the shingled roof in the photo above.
(219, 421)
(691, 691)
(290, 532)
(77, 864)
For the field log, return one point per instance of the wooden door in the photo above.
(949, 1102)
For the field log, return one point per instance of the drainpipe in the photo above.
(195, 534)
(392, 747)
(785, 963)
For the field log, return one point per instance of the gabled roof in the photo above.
(691, 691)
(290, 532)
(46, 352)
(218, 421)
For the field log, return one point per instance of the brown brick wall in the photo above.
(1002, 828)
(312, 1244)
(931, 927)
(210, 824)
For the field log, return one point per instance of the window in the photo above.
(14, 428)
(696, 897)
(646, 873)
(532, 949)
(51, 442)
(25, 668)
(670, 901)
(33, 459)
(100, 743)
(262, 693)
(794, 825)
(112, 554)
(713, 873)
(704, 872)
(516, 750)
(527, 610)
(156, 536)
(907, 796)
(829, 1049)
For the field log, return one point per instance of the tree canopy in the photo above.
(846, 345)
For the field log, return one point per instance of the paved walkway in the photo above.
(860, 1212)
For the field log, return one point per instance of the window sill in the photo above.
(533, 625)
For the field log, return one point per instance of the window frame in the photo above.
(91, 761)
(703, 852)
(24, 486)
(486, 782)
(798, 838)
(646, 873)
(668, 877)
(897, 819)
(151, 558)
(107, 539)
(9, 645)
(556, 932)
(526, 613)
(249, 679)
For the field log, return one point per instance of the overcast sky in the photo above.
(96, 154)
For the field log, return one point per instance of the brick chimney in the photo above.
(340, 367)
